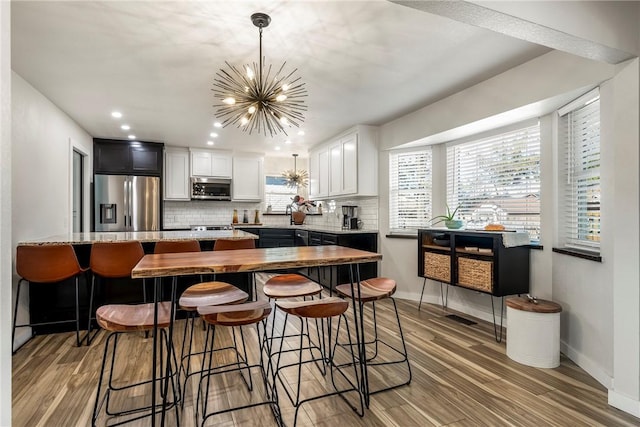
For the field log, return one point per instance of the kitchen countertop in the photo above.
(313, 227)
(141, 236)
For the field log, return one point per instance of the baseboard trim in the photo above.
(587, 364)
(454, 305)
(624, 403)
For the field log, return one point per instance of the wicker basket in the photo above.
(475, 274)
(437, 266)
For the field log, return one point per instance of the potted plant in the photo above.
(449, 219)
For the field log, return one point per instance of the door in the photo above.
(335, 170)
(144, 211)
(110, 207)
(78, 188)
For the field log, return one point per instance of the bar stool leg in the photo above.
(15, 316)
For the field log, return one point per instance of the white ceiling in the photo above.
(364, 62)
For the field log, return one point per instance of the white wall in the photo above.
(586, 289)
(42, 136)
(5, 213)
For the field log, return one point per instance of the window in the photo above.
(497, 180)
(277, 194)
(410, 190)
(579, 170)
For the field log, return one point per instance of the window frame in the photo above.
(422, 219)
(500, 211)
(569, 230)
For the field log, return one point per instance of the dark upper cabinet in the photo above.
(111, 156)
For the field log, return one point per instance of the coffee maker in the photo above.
(349, 217)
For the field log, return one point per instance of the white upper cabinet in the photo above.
(347, 165)
(319, 173)
(248, 178)
(211, 163)
(176, 173)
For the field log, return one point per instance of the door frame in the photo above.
(86, 153)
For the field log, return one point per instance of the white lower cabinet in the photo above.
(248, 178)
(176, 174)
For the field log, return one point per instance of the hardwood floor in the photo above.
(461, 377)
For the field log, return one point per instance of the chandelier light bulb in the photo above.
(251, 97)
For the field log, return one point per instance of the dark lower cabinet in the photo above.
(331, 276)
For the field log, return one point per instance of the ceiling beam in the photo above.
(489, 17)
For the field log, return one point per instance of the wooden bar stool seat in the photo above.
(374, 290)
(129, 318)
(47, 264)
(234, 316)
(370, 290)
(316, 309)
(211, 293)
(290, 286)
(324, 310)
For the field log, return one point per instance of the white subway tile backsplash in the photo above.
(197, 212)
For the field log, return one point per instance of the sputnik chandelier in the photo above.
(258, 99)
(295, 178)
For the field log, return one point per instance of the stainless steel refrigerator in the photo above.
(126, 203)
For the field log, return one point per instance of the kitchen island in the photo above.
(55, 301)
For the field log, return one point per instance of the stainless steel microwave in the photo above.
(210, 189)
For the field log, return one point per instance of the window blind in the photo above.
(580, 170)
(277, 194)
(497, 180)
(409, 190)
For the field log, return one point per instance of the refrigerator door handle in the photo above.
(127, 201)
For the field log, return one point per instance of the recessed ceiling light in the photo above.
(209, 142)
(301, 132)
(213, 135)
(287, 141)
(218, 124)
(125, 127)
(132, 137)
(277, 148)
(116, 114)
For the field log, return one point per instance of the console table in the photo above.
(494, 263)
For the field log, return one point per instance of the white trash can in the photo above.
(533, 332)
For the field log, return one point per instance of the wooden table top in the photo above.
(247, 260)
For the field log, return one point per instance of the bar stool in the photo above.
(47, 264)
(175, 246)
(286, 286)
(236, 244)
(197, 296)
(205, 294)
(234, 317)
(325, 310)
(372, 290)
(112, 260)
(120, 319)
